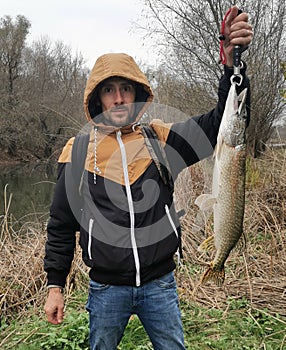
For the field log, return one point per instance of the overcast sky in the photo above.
(92, 27)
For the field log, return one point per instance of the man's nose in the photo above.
(118, 97)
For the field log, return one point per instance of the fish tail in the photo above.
(210, 274)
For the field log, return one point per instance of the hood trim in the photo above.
(121, 65)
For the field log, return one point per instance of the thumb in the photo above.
(60, 315)
(232, 15)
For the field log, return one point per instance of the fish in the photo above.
(227, 200)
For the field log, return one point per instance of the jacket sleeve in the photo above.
(194, 139)
(61, 230)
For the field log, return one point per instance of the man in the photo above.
(128, 229)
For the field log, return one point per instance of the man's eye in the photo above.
(107, 90)
(127, 88)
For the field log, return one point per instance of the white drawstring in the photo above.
(90, 226)
(130, 205)
(95, 168)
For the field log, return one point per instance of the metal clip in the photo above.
(237, 78)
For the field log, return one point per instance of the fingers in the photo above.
(238, 29)
(237, 32)
(242, 40)
(240, 33)
(232, 15)
(54, 309)
(55, 315)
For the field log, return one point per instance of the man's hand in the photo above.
(54, 307)
(237, 32)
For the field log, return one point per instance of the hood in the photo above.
(116, 65)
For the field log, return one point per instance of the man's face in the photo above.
(117, 97)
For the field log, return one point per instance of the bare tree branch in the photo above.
(188, 33)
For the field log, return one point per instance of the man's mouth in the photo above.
(119, 109)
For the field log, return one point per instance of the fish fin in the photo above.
(216, 276)
(218, 146)
(207, 245)
(205, 202)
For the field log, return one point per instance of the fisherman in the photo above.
(129, 232)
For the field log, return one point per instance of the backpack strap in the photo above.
(78, 158)
(159, 156)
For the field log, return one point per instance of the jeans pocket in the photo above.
(166, 282)
(96, 295)
(96, 286)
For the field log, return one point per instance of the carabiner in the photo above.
(237, 78)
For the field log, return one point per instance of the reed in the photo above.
(22, 277)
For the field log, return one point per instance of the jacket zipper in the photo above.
(90, 226)
(175, 230)
(130, 205)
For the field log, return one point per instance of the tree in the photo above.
(283, 89)
(41, 100)
(12, 43)
(54, 81)
(170, 90)
(187, 33)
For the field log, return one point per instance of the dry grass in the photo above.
(22, 278)
(21, 273)
(258, 273)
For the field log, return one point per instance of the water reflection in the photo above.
(31, 188)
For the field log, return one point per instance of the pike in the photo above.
(228, 187)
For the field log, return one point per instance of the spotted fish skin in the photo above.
(228, 189)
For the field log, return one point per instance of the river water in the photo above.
(30, 188)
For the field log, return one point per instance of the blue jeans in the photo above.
(155, 303)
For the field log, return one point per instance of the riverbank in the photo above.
(26, 157)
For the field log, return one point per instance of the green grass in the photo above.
(237, 327)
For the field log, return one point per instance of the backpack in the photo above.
(157, 152)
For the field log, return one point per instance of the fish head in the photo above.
(233, 124)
